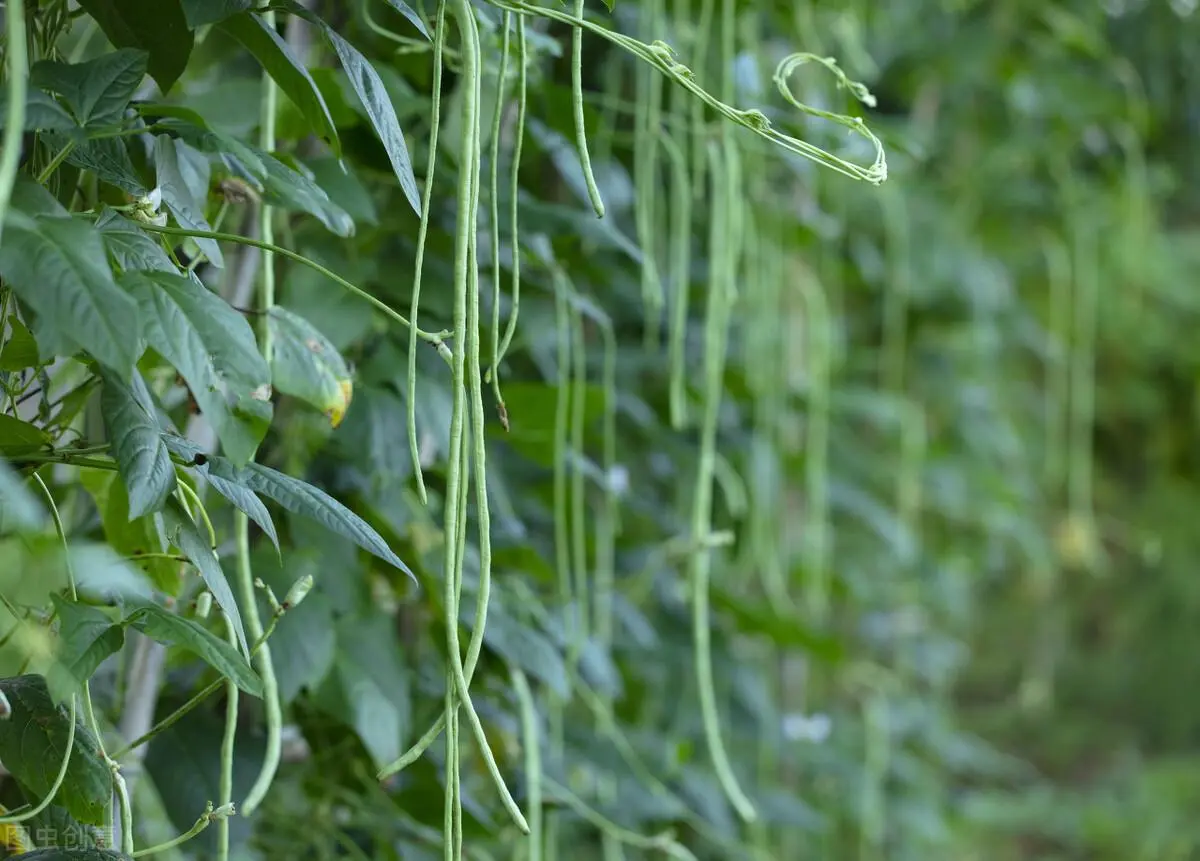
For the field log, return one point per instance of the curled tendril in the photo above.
(660, 55)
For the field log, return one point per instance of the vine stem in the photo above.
(18, 85)
(250, 616)
(437, 339)
(414, 449)
(228, 740)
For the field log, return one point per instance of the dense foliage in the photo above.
(442, 429)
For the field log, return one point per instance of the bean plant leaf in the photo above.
(20, 350)
(409, 13)
(302, 498)
(157, 27)
(373, 96)
(86, 637)
(129, 246)
(142, 457)
(19, 508)
(42, 113)
(108, 158)
(161, 624)
(306, 365)
(294, 190)
(18, 437)
(201, 12)
(97, 91)
(33, 742)
(213, 348)
(273, 53)
(185, 536)
(57, 266)
(171, 158)
(247, 502)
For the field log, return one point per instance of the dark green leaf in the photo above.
(172, 158)
(166, 627)
(57, 266)
(20, 350)
(55, 827)
(18, 437)
(305, 365)
(302, 498)
(142, 457)
(373, 95)
(19, 508)
(108, 158)
(761, 620)
(293, 79)
(184, 535)
(214, 349)
(130, 246)
(157, 27)
(33, 742)
(42, 113)
(86, 637)
(294, 190)
(201, 12)
(97, 91)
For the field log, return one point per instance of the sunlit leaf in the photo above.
(305, 365)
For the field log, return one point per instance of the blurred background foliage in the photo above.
(956, 435)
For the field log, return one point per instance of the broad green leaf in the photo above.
(86, 637)
(201, 12)
(171, 160)
(344, 188)
(167, 627)
(18, 437)
(142, 457)
(273, 53)
(20, 350)
(108, 158)
(185, 535)
(753, 619)
(131, 538)
(19, 508)
(213, 348)
(33, 742)
(369, 685)
(293, 190)
(97, 91)
(302, 498)
(305, 365)
(157, 27)
(408, 12)
(130, 246)
(42, 113)
(374, 98)
(58, 267)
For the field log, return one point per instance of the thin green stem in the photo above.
(414, 449)
(228, 740)
(59, 158)
(18, 84)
